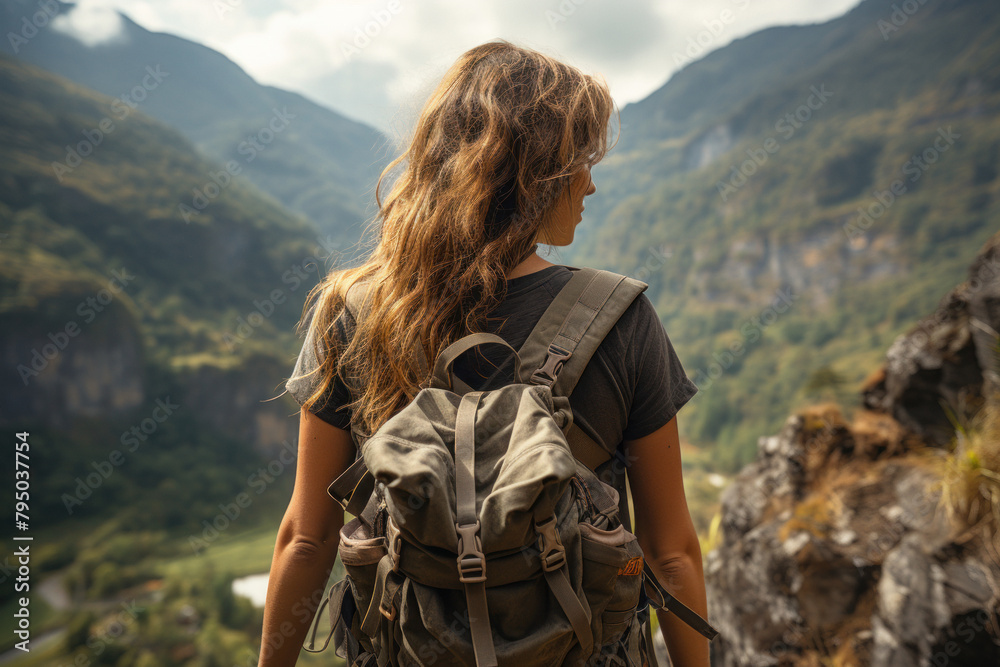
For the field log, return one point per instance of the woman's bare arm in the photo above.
(667, 536)
(306, 547)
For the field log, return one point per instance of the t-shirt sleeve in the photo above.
(662, 386)
(331, 407)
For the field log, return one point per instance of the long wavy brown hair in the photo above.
(492, 151)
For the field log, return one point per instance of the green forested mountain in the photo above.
(796, 199)
(311, 159)
(140, 356)
(110, 301)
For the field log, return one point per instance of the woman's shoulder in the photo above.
(343, 328)
(636, 323)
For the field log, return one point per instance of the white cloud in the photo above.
(364, 59)
(92, 22)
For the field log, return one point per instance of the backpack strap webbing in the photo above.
(571, 329)
(471, 560)
(667, 602)
(663, 601)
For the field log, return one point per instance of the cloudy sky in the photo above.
(375, 60)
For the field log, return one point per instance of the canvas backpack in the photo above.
(482, 534)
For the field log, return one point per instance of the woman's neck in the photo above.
(532, 264)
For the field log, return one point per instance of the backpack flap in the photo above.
(531, 465)
(410, 457)
(522, 465)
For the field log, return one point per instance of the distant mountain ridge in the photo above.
(746, 87)
(737, 181)
(320, 164)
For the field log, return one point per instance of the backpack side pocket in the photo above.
(612, 580)
(360, 553)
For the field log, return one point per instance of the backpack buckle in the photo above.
(390, 614)
(553, 364)
(552, 553)
(471, 559)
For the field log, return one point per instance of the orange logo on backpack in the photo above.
(632, 567)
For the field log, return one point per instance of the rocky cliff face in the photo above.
(237, 401)
(835, 547)
(60, 367)
(85, 364)
(814, 264)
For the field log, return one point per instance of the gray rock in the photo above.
(777, 473)
(928, 606)
(984, 311)
(910, 597)
(886, 578)
(949, 357)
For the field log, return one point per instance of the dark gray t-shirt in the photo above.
(633, 385)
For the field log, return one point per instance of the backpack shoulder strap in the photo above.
(568, 334)
(571, 329)
(581, 315)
